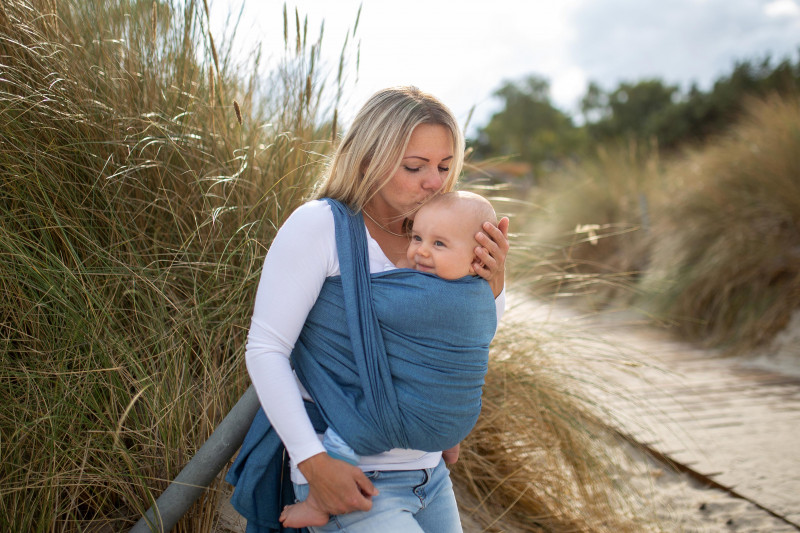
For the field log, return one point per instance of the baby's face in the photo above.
(442, 242)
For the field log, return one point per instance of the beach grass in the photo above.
(705, 241)
(586, 224)
(143, 175)
(725, 251)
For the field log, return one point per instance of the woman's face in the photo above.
(423, 170)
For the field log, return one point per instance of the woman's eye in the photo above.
(443, 169)
(412, 169)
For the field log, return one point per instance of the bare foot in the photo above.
(303, 514)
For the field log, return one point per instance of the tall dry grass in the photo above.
(725, 260)
(707, 241)
(142, 175)
(587, 225)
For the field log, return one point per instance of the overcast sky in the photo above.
(462, 50)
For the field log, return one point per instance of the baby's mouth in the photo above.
(424, 268)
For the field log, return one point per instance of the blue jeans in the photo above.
(410, 501)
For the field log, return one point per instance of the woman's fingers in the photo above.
(366, 487)
(338, 487)
(493, 242)
(491, 254)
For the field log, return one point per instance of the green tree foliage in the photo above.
(650, 109)
(528, 126)
(631, 110)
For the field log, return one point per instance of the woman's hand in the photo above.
(451, 456)
(491, 254)
(338, 487)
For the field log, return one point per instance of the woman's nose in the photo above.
(433, 180)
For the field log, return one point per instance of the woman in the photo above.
(404, 146)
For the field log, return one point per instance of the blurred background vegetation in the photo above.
(144, 171)
(684, 205)
(530, 128)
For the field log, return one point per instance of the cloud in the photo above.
(679, 41)
(782, 8)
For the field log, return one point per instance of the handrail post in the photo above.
(198, 473)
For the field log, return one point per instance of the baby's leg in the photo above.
(304, 514)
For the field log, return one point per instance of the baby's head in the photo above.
(443, 236)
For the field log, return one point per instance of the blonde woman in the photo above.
(403, 147)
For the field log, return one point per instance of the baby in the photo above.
(443, 234)
(442, 243)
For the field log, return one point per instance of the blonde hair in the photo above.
(372, 149)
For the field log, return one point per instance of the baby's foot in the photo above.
(302, 515)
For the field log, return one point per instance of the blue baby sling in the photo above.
(394, 359)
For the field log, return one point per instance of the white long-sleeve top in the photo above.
(302, 255)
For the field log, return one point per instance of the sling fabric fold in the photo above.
(392, 360)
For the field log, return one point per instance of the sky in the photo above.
(463, 50)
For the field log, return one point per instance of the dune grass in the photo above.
(725, 251)
(136, 204)
(585, 226)
(143, 174)
(706, 241)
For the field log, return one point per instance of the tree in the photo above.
(528, 126)
(632, 110)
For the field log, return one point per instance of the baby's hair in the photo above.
(475, 206)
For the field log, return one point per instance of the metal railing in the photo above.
(198, 474)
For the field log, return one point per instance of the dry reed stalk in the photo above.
(238, 112)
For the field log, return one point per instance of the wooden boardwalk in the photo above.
(722, 418)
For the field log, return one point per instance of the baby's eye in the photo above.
(438, 243)
(416, 238)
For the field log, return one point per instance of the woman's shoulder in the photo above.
(310, 226)
(308, 236)
(312, 216)
(314, 210)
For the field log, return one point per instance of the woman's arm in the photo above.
(492, 252)
(302, 255)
